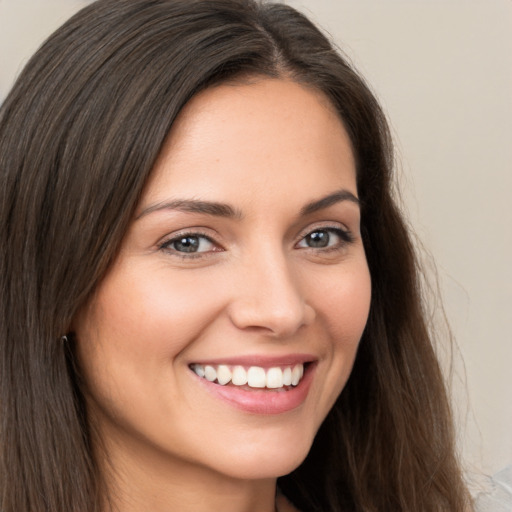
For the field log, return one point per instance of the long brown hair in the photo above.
(79, 135)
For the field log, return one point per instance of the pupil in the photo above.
(187, 244)
(318, 239)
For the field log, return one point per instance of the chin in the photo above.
(265, 460)
(264, 469)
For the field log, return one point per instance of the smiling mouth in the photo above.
(255, 377)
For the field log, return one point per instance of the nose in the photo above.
(268, 298)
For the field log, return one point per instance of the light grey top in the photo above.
(498, 496)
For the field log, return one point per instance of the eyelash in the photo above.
(344, 235)
(166, 245)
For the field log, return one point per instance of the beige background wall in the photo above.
(443, 71)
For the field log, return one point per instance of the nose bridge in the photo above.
(268, 295)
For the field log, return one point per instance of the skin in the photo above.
(257, 286)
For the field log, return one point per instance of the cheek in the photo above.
(344, 302)
(344, 306)
(153, 315)
(130, 339)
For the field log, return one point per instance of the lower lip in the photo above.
(263, 401)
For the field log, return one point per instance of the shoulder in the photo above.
(497, 495)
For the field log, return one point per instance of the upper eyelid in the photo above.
(166, 240)
(195, 231)
(334, 225)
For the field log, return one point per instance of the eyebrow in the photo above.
(330, 200)
(225, 210)
(194, 206)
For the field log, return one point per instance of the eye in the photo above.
(189, 243)
(325, 238)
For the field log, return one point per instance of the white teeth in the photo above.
(254, 377)
(296, 374)
(275, 378)
(239, 377)
(287, 377)
(223, 374)
(210, 373)
(199, 370)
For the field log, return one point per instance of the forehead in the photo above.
(266, 134)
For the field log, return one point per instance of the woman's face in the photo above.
(244, 261)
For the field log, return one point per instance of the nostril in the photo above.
(265, 319)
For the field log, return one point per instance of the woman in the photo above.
(208, 293)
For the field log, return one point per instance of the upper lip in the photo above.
(263, 361)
